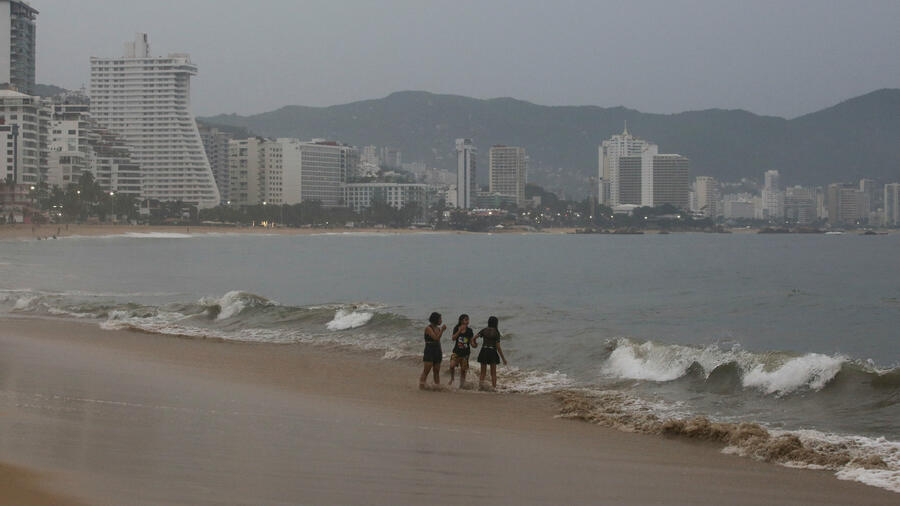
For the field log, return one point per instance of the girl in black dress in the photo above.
(491, 353)
(433, 353)
(462, 342)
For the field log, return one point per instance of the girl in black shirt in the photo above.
(491, 353)
(462, 340)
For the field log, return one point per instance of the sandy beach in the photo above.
(121, 417)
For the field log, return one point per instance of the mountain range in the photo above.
(853, 139)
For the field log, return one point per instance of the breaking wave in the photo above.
(347, 319)
(776, 373)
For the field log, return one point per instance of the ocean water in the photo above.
(797, 335)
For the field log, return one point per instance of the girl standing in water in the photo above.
(491, 353)
(433, 353)
(462, 339)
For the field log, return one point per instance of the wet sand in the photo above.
(119, 417)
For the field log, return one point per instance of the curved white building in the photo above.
(146, 100)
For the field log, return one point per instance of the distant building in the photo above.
(466, 172)
(77, 145)
(391, 157)
(361, 196)
(17, 45)
(892, 205)
(800, 205)
(633, 172)
(708, 196)
(69, 152)
(609, 153)
(146, 100)
(494, 200)
(627, 179)
(246, 165)
(772, 196)
(283, 172)
(738, 209)
(24, 124)
(664, 179)
(846, 204)
(507, 170)
(325, 167)
(215, 143)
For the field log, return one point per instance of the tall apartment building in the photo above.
(610, 185)
(146, 100)
(466, 172)
(800, 205)
(215, 144)
(846, 203)
(507, 168)
(24, 127)
(628, 175)
(282, 175)
(246, 164)
(708, 196)
(69, 151)
(664, 179)
(17, 45)
(648, 178)
(325, 167)
(892, 205)
(772, 196)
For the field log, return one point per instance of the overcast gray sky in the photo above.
(784, 58)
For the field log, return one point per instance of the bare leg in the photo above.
(424, 375)
(494, 375)
(463, 369)
(436, 371)
(452, 371)
(483, 372)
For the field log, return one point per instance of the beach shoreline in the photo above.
(26, 231)
(113, 416)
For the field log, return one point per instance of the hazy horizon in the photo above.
(656, 57)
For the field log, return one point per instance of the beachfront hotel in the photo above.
(466, 186)
(361, 196)
(612, 185)
(17, 45)
(146, 100)
(24, 122)
(633, 172)
(507, 170)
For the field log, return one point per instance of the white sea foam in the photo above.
(26, 303)
(664, 362)
(860, 447)
(769, 373)
(234, 302)
(810, 371)
(513, 379)
(344, 319)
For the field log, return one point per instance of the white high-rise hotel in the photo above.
(625, 144)
(146, 100)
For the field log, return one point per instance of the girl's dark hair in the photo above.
(435, 318)
(462, 317)
(493, 322)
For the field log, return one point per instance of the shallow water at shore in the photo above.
(788, 332)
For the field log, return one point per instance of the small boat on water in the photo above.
(834, 232)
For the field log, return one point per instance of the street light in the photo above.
(112, 203)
